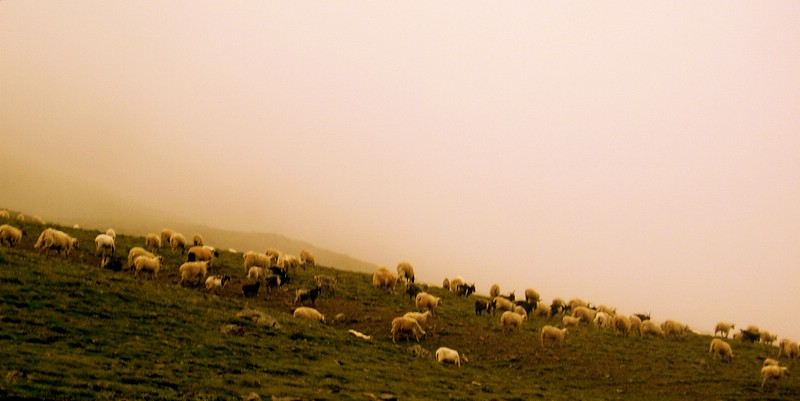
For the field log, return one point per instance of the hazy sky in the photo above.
(638, 154)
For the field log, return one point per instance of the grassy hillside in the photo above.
(73, 331)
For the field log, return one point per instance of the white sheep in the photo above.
(305, 312)
(148, 265)
(103, 243)
(673, 328)
(602, 320)
(448, 355)
(215, 283)
(542, 310)
(531, 294)
(494, 291)
(111, 233)
(723, 328)
(576, 302)
(197, 239)
(767, 337)
(252, 258)
(552, 334)
(427, 301)
(383, 278)
(166, 236)
(274, 255)
(59, 241)
(136, 252)
(177, 241)
(420, 317)
(193, 272)
(721, 348)
(256, 273)
(405, 271)
(406, 325)
(307, 258)
(21, 217)
(652, 328)
(152, 241)
(511, 319)
(584, 313)
(4, 214)
(289, 262)
(455, 282)
(36, 219)
(636, 325)
(568, 321)
(770, 361)
(788, 348)
(772, 372)
(11, 235)
(502, 303)
(608, 310)
(622, 324)
(201, 254)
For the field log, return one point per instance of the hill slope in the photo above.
(73, 331)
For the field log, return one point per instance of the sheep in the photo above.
(252, 258)
(384, 278)
(197, 239)
(502, 303)
(303, 294)
(166, 236)
(413, 289)
(511, 319)
(444, 354)
(673, 328)
(585, 314)
(788, 348)
(531, 294)
(568, 321)
(723, 328)
(770, 361)
(103, 243)
(622, 324)
(289, 262)
(482, 305)
(406, 325)
(191, 271)
(552, 334)
(610, 311)
(636, 325)
(446, 284)
(136, 252)
(751, 334)
(59, 241)
(4, 214)
(557, 306)
(652, 328)
(201, 254)
(427, 301)
(576, 302)
(111, 233)
(152, 241)
(602, 320)
(767, 337)
(36, 219)
(465, 290)
(520, 310)
(771, 372)
(494, 291)
(721, 348)
(178, 241)
(215, 283)
(326, 283)
(256, 273)
(275, 270)
(304, 312)
(455, 282)
(405, 271)
(21, 217)
(11, 235)
(250, 290)
(273, 255)
(642, 316)
(307, 259)
(147, 264)
(542, 310)
(273, 280)
(421, 318)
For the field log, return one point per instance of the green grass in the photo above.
(69, 330)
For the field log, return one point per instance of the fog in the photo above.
(640, 155)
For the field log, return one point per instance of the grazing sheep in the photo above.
(413, 289)
(273, 255)
(482, 305)
(636, 325)
(652, 328)
(723, 328)
(178, 241)
(576, 302)
(558, 306)
(152, 241)
(427, 301)
(4, 214)
(406, 325)
(289, 262)
(215, 283)
(568, 321)
(446, 284)
(622, 324)
(147, 265)
(304, 312)
(448, 355)
(383, 278)
(602, 320)
(252, 258)
(772, 372)
(719, 347)
(250, 290)
(307, 259)
(202, 254)
(502, 303)
(11, 235)
(59, 241)
(511, 319)
(767, 337)
(520, 310)
(585, 314)
(531, 294)
(405, 271)
(542, 310)
(552, 334)
(303, 294)
(494, 291)
(788, 348)
(193, 272)
(36, 219)
(103, 243)
(166, 236)
(421, 318)
(751, 334)
(256, 273)
(326, 283)
(455, 282)
(770, 361)
(197, 239)
(608, 310)
(21, 217)
(136, 252)
(673, 328)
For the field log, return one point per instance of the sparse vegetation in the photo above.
(70, 330)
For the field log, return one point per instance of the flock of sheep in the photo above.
(271, 269)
